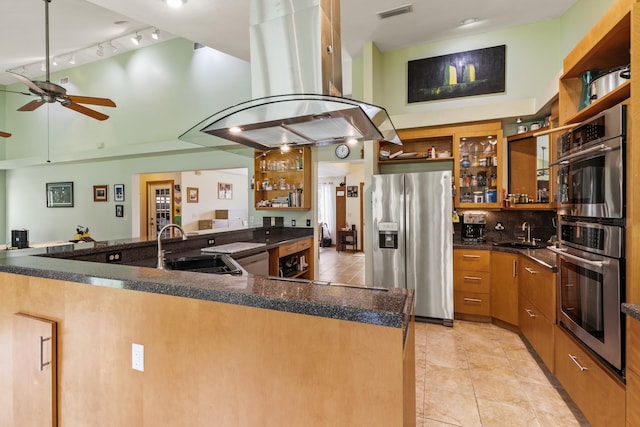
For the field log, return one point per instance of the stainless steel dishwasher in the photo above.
(256, 263)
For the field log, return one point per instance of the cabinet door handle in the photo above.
(530, 270)
(574, 359)
(530, 313)
(472, 300)
(470, 256)
(472, 278)
(514, 267)
(42, 362)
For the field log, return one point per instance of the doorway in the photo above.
(159, 207)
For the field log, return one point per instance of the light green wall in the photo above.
(534, 62)
(160, 91)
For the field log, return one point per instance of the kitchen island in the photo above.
(218, 350)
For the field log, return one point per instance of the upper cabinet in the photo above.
(283, 179)
(477, 168)
(473, 151)
(607, 47)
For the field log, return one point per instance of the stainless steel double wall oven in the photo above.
(591, 221)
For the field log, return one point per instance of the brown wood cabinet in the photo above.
(472, 282)
(282, 258)
(633, 372)
(599, 395)
(504, 287)
(536, 314)
(35, 371)
(283, 180)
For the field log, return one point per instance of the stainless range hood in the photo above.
(296, 83)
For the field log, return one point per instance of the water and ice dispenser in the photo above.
(388, 235)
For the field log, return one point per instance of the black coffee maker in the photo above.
(473, 227)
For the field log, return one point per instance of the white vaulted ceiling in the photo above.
(223, 24)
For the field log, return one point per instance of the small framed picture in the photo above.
(225, 191)
(60, 194)
(120, 211)
(192, 195)
(118, 192)
(100, 193)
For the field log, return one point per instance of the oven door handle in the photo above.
(563, 252)
(599, 147)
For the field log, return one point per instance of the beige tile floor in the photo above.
(473, 374)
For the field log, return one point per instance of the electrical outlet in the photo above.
(114, 256)
(211, 242)
(137, 357)
(308, 223)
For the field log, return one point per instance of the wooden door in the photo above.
(34, 371)
(160, 206)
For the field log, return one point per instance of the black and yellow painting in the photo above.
(471, 73)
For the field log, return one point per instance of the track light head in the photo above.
(136, 39)
(155, 34)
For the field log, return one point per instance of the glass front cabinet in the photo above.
(477, 169)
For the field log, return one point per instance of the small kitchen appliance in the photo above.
(473, 227)
(20, 239)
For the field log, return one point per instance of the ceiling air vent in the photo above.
(395, 11)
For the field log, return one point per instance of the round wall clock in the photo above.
(342, 151)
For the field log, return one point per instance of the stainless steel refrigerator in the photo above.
(413, 239)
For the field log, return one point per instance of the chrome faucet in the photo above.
(527, 227)
(161, 265)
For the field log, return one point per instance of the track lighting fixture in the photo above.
(136, 39)
(100, 50)
(519, 120)
(113, 48)
(155, 34)
(54, 62)
(43, 67)
(72, 59)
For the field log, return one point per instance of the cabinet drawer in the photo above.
(537, 329)
(472, 260)
(471, 303)
(304, 244)
(539, 286)
(288, 249)
(471, 281)
(600, 397)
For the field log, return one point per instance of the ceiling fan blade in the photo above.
(26, 81)
(4, 134)
(15, 91)
(86, 111)
(30, 106)
(104, 102)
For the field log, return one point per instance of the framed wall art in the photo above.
(192, 195)
(59, 194)
(470, 73)
(118, 192)
(225, 191)
(100, 193)
(352, 191)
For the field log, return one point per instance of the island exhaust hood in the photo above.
(296, 81)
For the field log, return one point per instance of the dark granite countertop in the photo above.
(386, 307)
(542, 256)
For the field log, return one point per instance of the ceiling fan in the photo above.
(50, 92)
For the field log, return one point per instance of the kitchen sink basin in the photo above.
(212, 264)
(519, 245)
